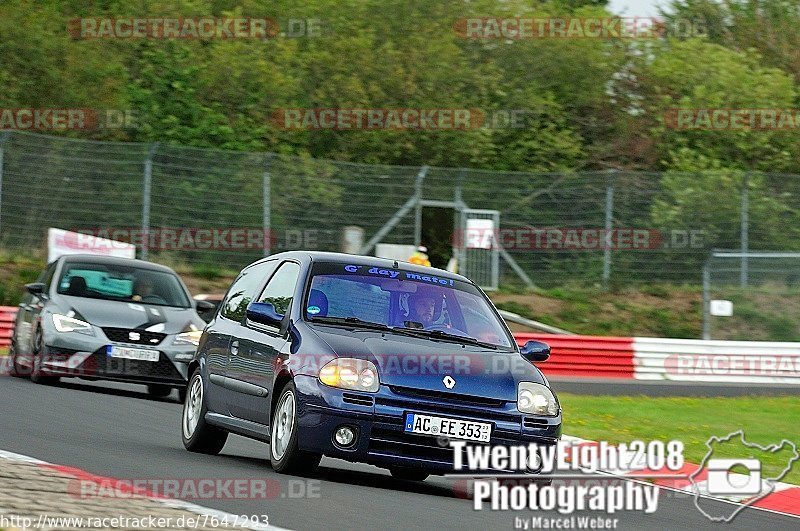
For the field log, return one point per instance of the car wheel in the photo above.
(197, 435)
(285, 456)
(408, 474)
(159, 391)
(38, 374)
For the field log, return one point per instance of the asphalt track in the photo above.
(117, 430)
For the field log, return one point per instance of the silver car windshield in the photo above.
(122, 283)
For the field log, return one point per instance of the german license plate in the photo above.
(128, 353)
(444, 427)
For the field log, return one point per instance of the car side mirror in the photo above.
(535, 351)
(35, 288)
(264, 313)
(203, 306)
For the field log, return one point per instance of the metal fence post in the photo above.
(706, 301)
(397, 216)
(267, 207)
(418, 209)
(3, 139)
(148, 182)
(459, 234)
(608, 226)
(745, 230)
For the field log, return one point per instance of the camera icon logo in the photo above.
(724, 482)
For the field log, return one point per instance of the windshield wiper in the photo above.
(456, 338)
(354, 322)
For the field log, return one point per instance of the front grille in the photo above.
(395, 442)
(104, 365)
(535, 424)
(390, 439)
(447, 409)
(447, 397)
(123, 335)
(359, 400)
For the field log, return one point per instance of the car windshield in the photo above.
(442, 308)
(122, 283)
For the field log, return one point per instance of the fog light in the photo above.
(344, 436)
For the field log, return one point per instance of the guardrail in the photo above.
(7, 316)
(686, 360)
(589, 356)
(640, 358)
(692, 360)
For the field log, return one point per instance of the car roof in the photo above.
(115, 260)
(361, 260)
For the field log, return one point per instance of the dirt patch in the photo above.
(536, 303)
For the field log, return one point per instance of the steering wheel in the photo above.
(154, 299)
(444, 328)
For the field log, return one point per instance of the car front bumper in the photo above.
(85, 356)
(378, 418)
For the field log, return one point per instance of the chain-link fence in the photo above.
(216, 207)
(752, 296)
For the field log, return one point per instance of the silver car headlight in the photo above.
(350, 373)
(536, 399)
(65, 323)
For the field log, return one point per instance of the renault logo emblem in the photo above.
(134, 336)
(449, 382)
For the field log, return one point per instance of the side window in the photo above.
(280, 289)
(244, 289)
(47, 275)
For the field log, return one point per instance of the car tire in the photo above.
(197, 435)
(284, 453)
(408, 474)
(39, 352)
(158, 390)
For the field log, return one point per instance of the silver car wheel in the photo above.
(282, 426)
(192, 407)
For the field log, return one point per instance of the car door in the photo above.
(255, 348)
(219, 332)
(29, 310)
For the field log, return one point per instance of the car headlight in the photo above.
(536, 399)
(65, 323)
(188, 338)
(350, 373)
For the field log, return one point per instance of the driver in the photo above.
(142, 288)
(423, 309)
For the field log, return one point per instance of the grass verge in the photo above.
(621, 419)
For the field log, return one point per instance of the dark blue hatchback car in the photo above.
(363, 359)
